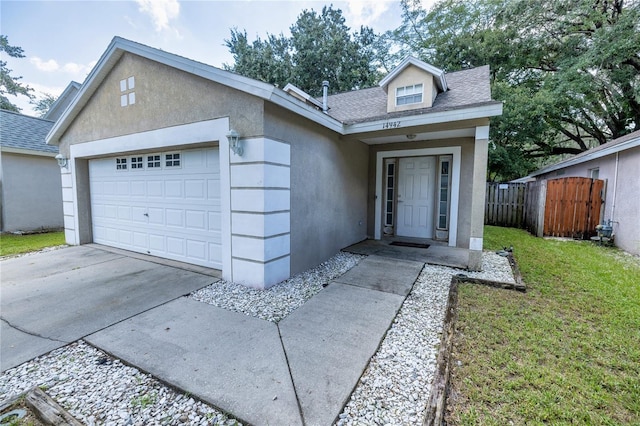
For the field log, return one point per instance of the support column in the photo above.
(480, 157)
(260, 213)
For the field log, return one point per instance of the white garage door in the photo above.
(166, 204)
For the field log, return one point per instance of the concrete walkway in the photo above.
(299, 371)
(54, 298)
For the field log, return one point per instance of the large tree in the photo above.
(43, 104)
(568, 71)
(10, 85)
(321, 47)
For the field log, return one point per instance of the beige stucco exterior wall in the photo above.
(31, 192)
(164, 97)
(328, 188)
(621, 199)
(408, 77)
(466, 181)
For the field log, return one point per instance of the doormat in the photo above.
(405, 244)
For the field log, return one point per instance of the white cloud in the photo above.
(160, 11)
(75, 71)
(365, 12)
(48, 66)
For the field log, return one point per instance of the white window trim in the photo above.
(131, 162)
(126, 164)
(164, 160)
(413, 94)
(455, 152)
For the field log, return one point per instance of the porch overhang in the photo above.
(446, 124)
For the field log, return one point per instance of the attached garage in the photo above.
(166, 204)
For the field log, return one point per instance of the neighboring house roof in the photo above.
(63, 101)
(21, 132)
(466, 89)
(620, 144)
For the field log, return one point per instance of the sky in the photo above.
(63, 40)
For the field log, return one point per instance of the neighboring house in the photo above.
(30, 187)
(63, 101)
(150, 168)
(617, 163)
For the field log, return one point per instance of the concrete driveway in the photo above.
(50, 299)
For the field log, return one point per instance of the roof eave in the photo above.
(410, 60)
(466, 113)
(119, 46)
(631, 143)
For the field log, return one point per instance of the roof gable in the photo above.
(63, 101)
(437, 73)
(23, 132)
(119, 46)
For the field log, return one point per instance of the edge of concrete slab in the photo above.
(250, 381)
(159, 260)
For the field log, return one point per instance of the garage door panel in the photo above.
(167, 212)
(175, 217)
(195, 219)
(194, 189)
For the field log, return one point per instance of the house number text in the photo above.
(391, 125)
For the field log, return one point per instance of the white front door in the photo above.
(166, 204)
(416, 181)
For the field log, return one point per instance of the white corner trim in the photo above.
(454, 151)
(482, 132)
(475, 243)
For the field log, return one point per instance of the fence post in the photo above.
(542, 202)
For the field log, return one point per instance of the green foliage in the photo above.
(321, 47)
(10, 85)
(16, 244)
(565, 352)
(568, 71)
(42, 105)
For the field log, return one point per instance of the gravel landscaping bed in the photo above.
(283, 298)
(394, 389)
(99, 390)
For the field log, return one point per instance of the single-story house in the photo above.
(617, 163)
(182, 160)
(30, 188)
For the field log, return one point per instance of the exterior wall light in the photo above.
(234, 142)
(411, 137)
(62, 161)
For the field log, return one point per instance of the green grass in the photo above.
(565, 352)
(17, 244)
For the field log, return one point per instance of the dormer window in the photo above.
(409, 95)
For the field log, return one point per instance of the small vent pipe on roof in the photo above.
(325, 90)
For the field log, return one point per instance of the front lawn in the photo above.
(565, 352)
(16, 244)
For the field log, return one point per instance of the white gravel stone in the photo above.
(394, 389)
(275, 303)
(99, 390)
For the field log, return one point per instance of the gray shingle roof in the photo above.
(24, 132)
(466, 88)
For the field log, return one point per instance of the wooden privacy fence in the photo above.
(505, 204)
(572, 207)
(566, 207)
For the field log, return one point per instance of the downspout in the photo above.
(325, 90)
(615, 187)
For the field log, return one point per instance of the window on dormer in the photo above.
(409, 95)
